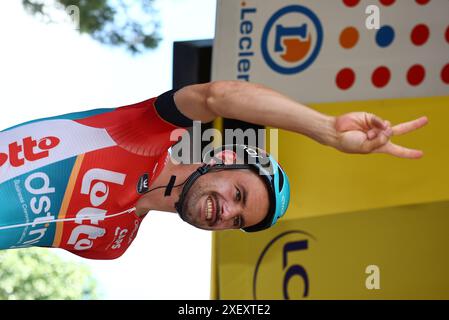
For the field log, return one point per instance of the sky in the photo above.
(48, 70)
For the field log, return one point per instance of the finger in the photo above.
(375, 121)
(407, 127)
(371, 134)
(370, 145)
(399, 151)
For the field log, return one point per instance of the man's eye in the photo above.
(238, 195)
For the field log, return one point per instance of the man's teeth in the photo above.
(209, 209)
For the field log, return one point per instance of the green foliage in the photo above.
(38, 274)
(130, 24)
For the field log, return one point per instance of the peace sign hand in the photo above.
(362, 132)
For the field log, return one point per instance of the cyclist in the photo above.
(85, 181)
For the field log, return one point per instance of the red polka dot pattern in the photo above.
(345, 78)
(387, 2)
(351, 3)
(416, 75)
(381, 77)
(420, 35)
(447, 34)
(445, 74)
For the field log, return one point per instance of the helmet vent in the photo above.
(281, 179)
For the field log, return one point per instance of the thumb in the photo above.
(370, 145)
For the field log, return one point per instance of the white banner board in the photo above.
(327, 50)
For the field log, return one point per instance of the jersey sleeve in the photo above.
(167, 110)
(147, 128)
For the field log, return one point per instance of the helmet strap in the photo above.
(170, 186)
(188, 184)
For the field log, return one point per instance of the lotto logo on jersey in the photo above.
(96, 188)
(292, 39)
(28, 150)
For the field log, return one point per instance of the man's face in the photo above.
(226, 199)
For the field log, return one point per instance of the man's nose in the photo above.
(230, 211)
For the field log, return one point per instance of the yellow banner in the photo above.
(358, 226)
(392, 253)
(326, 181)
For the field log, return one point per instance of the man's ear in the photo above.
(225, 157)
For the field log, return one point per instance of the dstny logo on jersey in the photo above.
(292, 39)
(28, 150)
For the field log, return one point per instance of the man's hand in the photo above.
(362, 132)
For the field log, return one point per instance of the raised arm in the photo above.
(356, 132)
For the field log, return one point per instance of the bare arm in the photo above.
(253, 103)
(357, 132)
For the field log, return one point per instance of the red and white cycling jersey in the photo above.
(66, 181)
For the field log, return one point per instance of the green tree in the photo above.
(38, 274)
(130, 24)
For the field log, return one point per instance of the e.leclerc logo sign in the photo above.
(282, 266)
(292, 39)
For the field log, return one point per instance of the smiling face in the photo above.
(226, 199)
